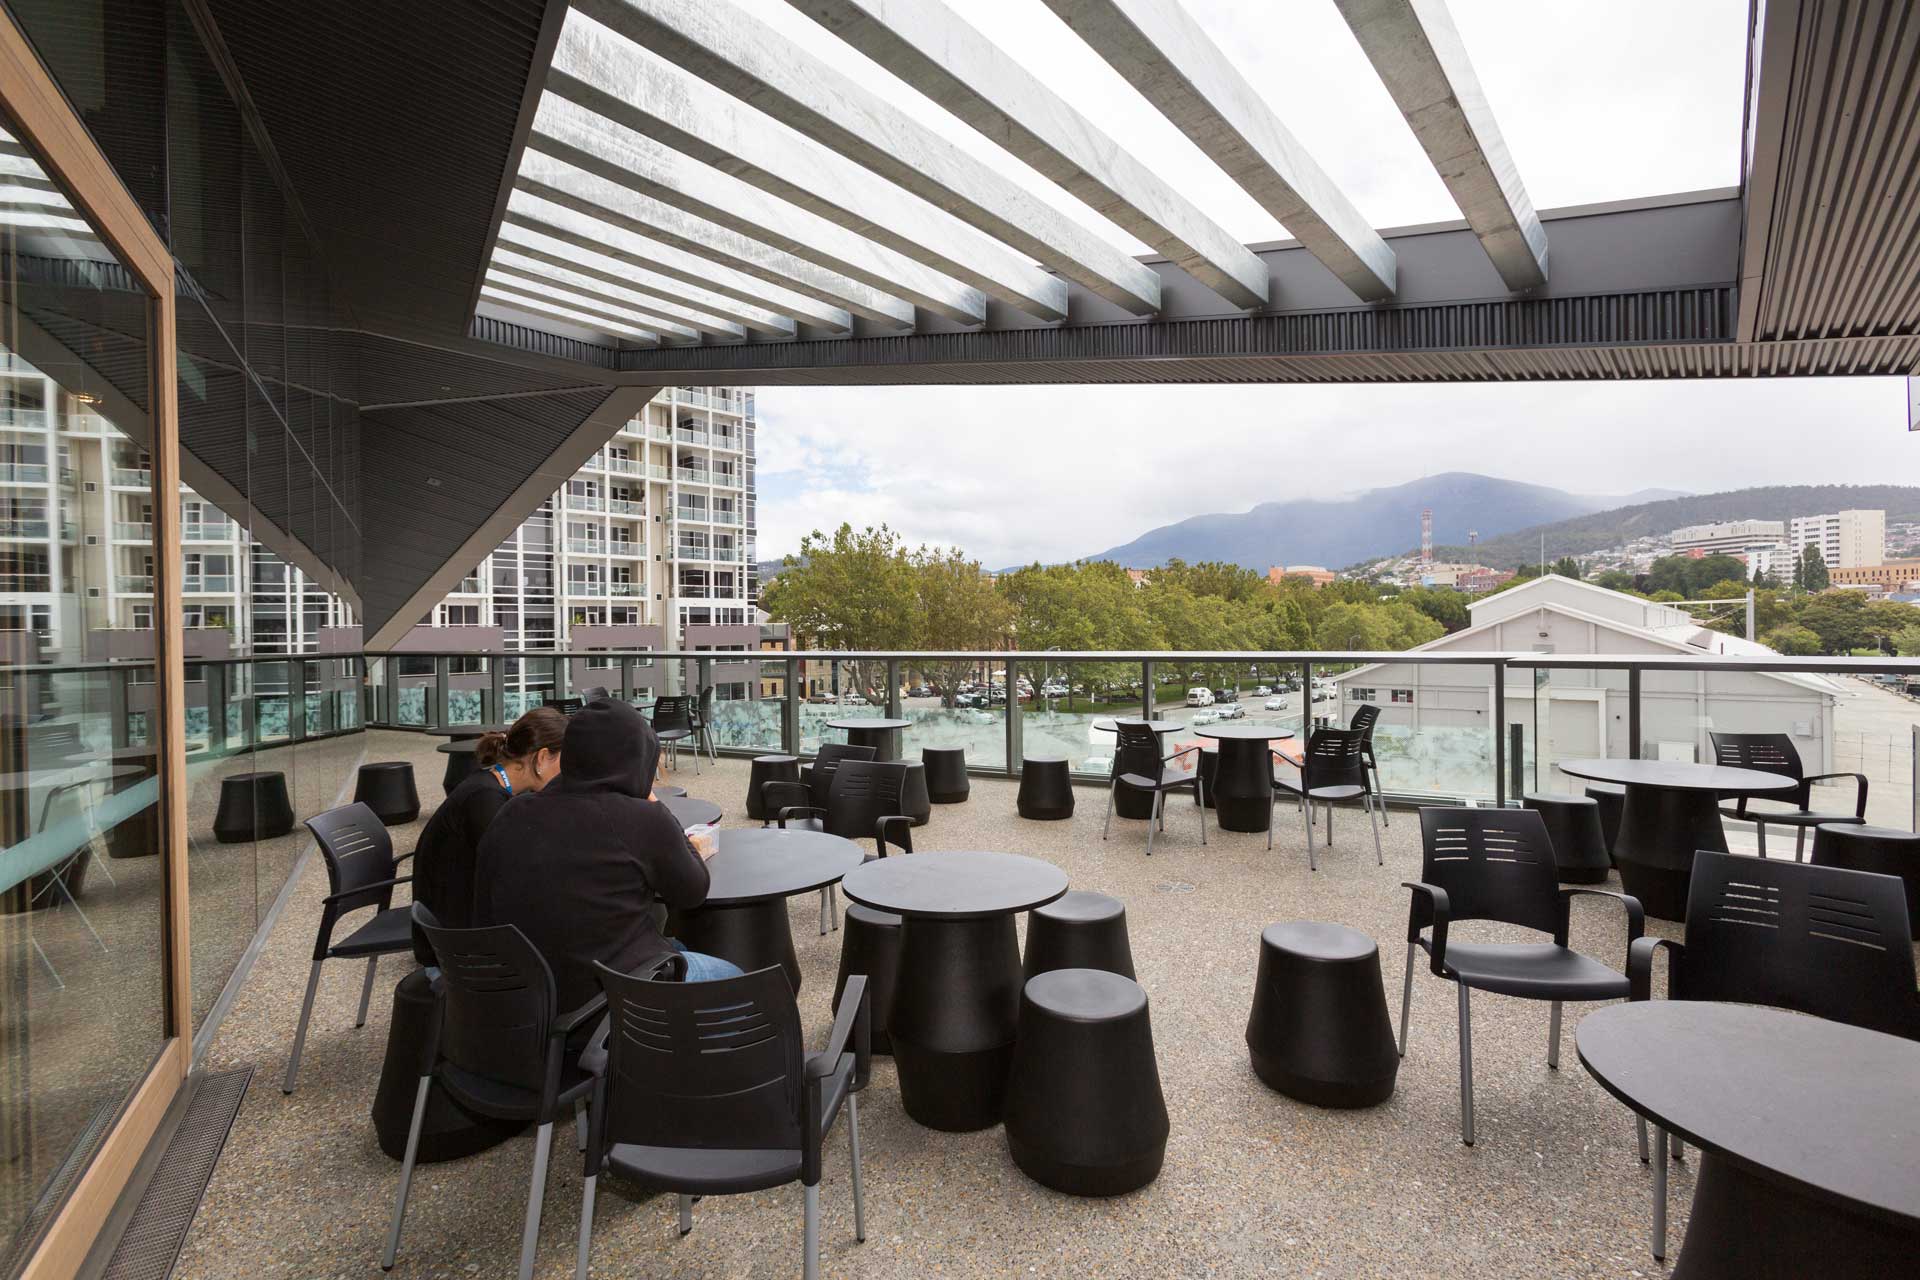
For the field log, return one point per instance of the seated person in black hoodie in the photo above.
(579, 864)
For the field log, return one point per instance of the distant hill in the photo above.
(1380, 522)
(1588, 532)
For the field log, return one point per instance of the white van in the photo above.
(1199, 697)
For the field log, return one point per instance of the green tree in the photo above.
(848, 590)
(1793, 640)
(1566, 567)
(1840, 619)
(1614, 580)
(1906, 641)
(959, 608)
(1444, 606)
(1810, 571)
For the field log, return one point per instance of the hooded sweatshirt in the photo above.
(577, 865)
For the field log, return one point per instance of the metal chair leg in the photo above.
(366, 993)
(1380, 796)
(406, 1171)
(1153, 818)
(1659, 1194)
(580, 1126)
(1553, 1038)
(300, 1033)
(1406, 998)
(586, 1227)
(536, 1198)
(1800, 844)
(1329, 824)
(1313, 859)
(829, 911)
(1112, 791)
(1679, 1147)
(1379, 858)
(853, 1144)
(1760, 835)
(1466, 1067)
(810, 1270)
(686, 1215)
(1640, 1130)
(1200, 797)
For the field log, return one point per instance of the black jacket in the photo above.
(445, 861)
(578, 864)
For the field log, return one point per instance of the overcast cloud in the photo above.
(1597, 102)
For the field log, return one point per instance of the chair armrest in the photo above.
(1636, 918)
(1859, 793)
(851, 1023)
(1442, 908)
(567, 1023)
(799, 811)
(897, 828)
(1184, 751)
(405, 857)
(365, 888)
(1640, 965)
(779, 793)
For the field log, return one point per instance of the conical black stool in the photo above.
(1046, 788)
(1084, 1110)
(1319, 1030)
(1611, 797)
(767, 769)
(870, 944)
(1079, 930)
(1573, 825)
(253, 806)
(386, 787)
(946, 774)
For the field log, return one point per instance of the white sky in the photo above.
(1597, 102)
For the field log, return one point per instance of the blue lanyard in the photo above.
(501, 774)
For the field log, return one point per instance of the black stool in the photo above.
(387, 789)
(460, 762)
(1319, 1029)
(1209, 769)
(1084, 1110)
(1046, 789)
(1573, 825)
(946, 774)
(914, 801)
(767, 769)
(1612, 799)
(1078, 930)
(1887, 850)
(447, 1131)
(870, 944)
(253, 806)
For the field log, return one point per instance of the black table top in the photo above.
(1821, 1107)
(758, 863)
(459, 747)
(956, 886)
(460, 732)
(1244, 732)
(1675, 775)
(689, 812)
(869, 722)
(665, 789)
(1158, 726)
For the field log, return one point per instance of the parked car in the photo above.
(1277, 702)
(1262, 690)
(920, 691)
(1226, 695)
(1197, 697)
(1204, 717)
(1323, 695)
(1230, 711)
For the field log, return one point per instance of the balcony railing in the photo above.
(23, 419)
(132, 531)
(625, 507)
(23, 472)
(134, 583)
(578, 587)
(705, 515)
(585, 502)
(132, 477)
(25, 528)
(626, 466)
(626, 588)
(586, 547)
(207, 584)
(626, 549)
(208, 531)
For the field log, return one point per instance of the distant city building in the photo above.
(1755, 541)
(1449, 575)
(1139, 577)
(1895, 575)
(1318, 575)
(1482, 580)
(1775, 560)
(1847, 539)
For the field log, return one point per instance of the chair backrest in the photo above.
(706, 704)
(1820, 940)
(1137, 749)
(595, 693)
(704, 1065)
(499, 993)
(863, 792)
(358, 851)
(673, 711)
(826, 762)
(1364, 719)
(1495, 864)
(567, 706)
(1333, 758)
(1766, 752)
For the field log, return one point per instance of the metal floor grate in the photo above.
(158, 1228)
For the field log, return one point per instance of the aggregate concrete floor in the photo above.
(1254, 1183)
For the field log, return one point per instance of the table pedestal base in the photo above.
(953, 1019)
(1748, 1227)
(1659, 831)
(753, 936)
(1242, 786)
(885, 742)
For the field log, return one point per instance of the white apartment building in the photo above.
(1732, 537)
(656, 530)
(1847, 539)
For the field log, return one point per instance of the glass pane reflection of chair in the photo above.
(68, 810)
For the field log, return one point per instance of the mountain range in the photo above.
(1370, 525)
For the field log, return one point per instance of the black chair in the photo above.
(1139, 766)
(1573, 828)
(386, 787)
(568, 706)
(1085, 1114)
(703, 724)
(253, 806)
(1333, 770)
(947, 781)
(914, 800)
(1078, 930)
(1364, 720)
(596, 693)
(864, 804)
(1886, 850)
(673, 724)
(1046, 789)
(1497, 864)
(750, 1107)
(360, 873)
(765, 769)
(1611, 800)
(1319, 1029)
(1775, 753)
(817, 777)
(1818, 940)
(501, 1051)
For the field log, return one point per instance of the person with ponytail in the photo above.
(518, 762)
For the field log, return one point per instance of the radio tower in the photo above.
(1426, 536)
(1473, 537)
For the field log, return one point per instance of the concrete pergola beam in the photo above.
(930, 47)
(1176, 66)
(541, 270)
(1418, 54)
(535, 290)
(857, 160)
(749, 294)
(578, 135)
(531, 305)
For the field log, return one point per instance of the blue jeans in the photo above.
(705, 968)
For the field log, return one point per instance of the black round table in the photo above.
(460, 762)
(1808, 1131)
(468, 732)
(756, 870)
(690, 812)
(1672, 808)
(1242, 791)
(1132, 803)
(868, 731)
(957, 1000)
(666, 791)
